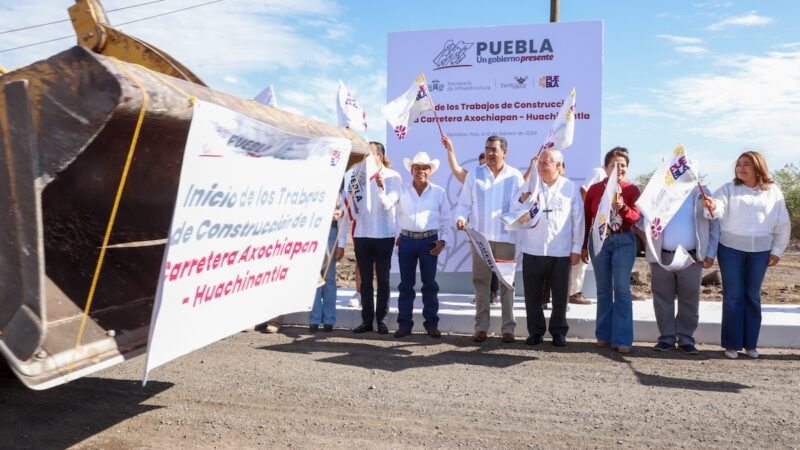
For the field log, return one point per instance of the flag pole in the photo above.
(705, 197)
(435, 116)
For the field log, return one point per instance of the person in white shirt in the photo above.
(373, 239)
(754, 232)
(550, 248)
(461, 174)
(689, 229)
(578, 271)
(422, 214)
(487, 194)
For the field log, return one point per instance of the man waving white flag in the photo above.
(401, 111)
(559, 138)
(664, 194)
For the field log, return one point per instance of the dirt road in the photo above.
(337, 390)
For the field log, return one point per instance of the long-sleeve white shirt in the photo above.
(561, 227)
(381, 220)
(484, 198)
(425, 212)
(751, 219)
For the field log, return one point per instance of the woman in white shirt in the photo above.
(754, 232)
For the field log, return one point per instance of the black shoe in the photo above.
(689, 349)
(434, 333)
(314, 327)
(383, 329)
(663, 347)
(362, 329)
(559, 340)
(328, 327)
(535, 339)
(401, 332)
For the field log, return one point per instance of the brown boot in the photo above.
(579, 299)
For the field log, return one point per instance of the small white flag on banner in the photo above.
(661, 199)
(603, 219)
(563, 128)
(504, 269)
(267, 97)
(349, 111)
(403, 110)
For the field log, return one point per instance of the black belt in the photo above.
(418, 234)
(671, 252)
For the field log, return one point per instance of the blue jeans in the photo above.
(742, 275)
(408, 253)
(612, 272)
(324, 308)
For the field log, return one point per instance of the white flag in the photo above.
(504, 269)
(267, 97)
(603, 219)
(664, 194)
(528, 215)
(403, 110)
(563, 128)
(349, 111)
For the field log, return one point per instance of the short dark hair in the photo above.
(500, 139)
(481, 156)
(617, 151)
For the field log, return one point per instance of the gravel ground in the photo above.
(337, 390)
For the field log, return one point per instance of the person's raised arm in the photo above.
(459, 172)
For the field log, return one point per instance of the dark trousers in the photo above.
(536, 270)
(377, 251)
(408, 253)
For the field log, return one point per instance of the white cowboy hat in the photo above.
(421, 159)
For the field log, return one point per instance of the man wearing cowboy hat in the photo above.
(422, 214)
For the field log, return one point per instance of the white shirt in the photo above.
(681, 228)
(595, 176)
(429, 211)
(560, 231)
(752, 220)
(484, 198)
(380, 221)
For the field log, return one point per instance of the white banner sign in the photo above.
(248, 233)
(509, 81)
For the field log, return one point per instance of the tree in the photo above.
(788, 178)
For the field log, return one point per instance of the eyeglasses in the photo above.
(544, 162)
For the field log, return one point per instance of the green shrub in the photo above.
(789, 180)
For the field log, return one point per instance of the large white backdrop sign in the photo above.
(249, 231)
(509, 81)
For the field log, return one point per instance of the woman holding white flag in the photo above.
(613, 257)
(755, 228)
(374, 235)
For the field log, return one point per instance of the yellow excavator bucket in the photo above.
(65, 127)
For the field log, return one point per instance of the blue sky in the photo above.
(717, 76)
